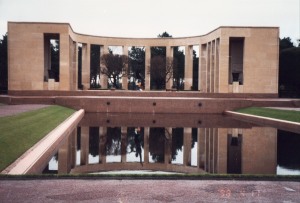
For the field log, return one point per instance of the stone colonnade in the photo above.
(188, 73)
(231, 59)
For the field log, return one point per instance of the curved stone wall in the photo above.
(249, 52)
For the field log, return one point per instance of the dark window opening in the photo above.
(236, 59)
(95, 66)
(51, 57)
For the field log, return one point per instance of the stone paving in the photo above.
(82, 190)
(9, 110)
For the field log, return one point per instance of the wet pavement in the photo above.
(82, 190)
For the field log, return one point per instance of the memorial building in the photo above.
(231, 59)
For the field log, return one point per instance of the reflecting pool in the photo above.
(179, 143)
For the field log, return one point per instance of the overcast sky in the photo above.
(141, 18)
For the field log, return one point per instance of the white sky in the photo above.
(141, 18)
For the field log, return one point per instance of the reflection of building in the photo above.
(218, 150)
(246, 151)
(231, 59)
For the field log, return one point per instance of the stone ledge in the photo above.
(265, 121)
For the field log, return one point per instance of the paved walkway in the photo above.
(9, 110)
(148, 191)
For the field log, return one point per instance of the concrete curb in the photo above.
(265, 121)
(30, 161)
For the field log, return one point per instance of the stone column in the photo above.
(187, 143)
(86, 66)
(103, 78)
(224, 65)
(188, 68)
(208, 73)
(203, 59)
(169, 54)
(74, 62)
(147, 68)
(146, 144)
(65, 67)
(212, 66)
(102, 144)
(200, 70)
(123, 144)
(125, 76)
(84, 142)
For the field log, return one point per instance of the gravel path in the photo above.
(9, 110)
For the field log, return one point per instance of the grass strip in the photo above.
(288, 115)
(20, 132)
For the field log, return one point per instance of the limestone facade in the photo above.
(231, 59)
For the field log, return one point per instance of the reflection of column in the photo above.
(102, 144)
(86, 69)
(187, 143)
(146, 144)
(63, 157)
(188, 68)
(123, 144)
(201, 148)
(103, 77)
(125, 76)
(207, 163)
(211, 150)
(168, 145)
(215, 150)
(169, 54)
(84, 140)
(147, 67)
(73, 147)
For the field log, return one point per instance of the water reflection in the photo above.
(189, 144)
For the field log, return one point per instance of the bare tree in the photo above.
(162, 70)
(114, 66)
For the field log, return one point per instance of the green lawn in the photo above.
(273, 113)
(20, 132)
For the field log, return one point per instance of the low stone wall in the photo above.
(152, 104)
(124, 101)
(36, 158)
(128, 93)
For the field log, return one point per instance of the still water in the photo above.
(179, 143)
